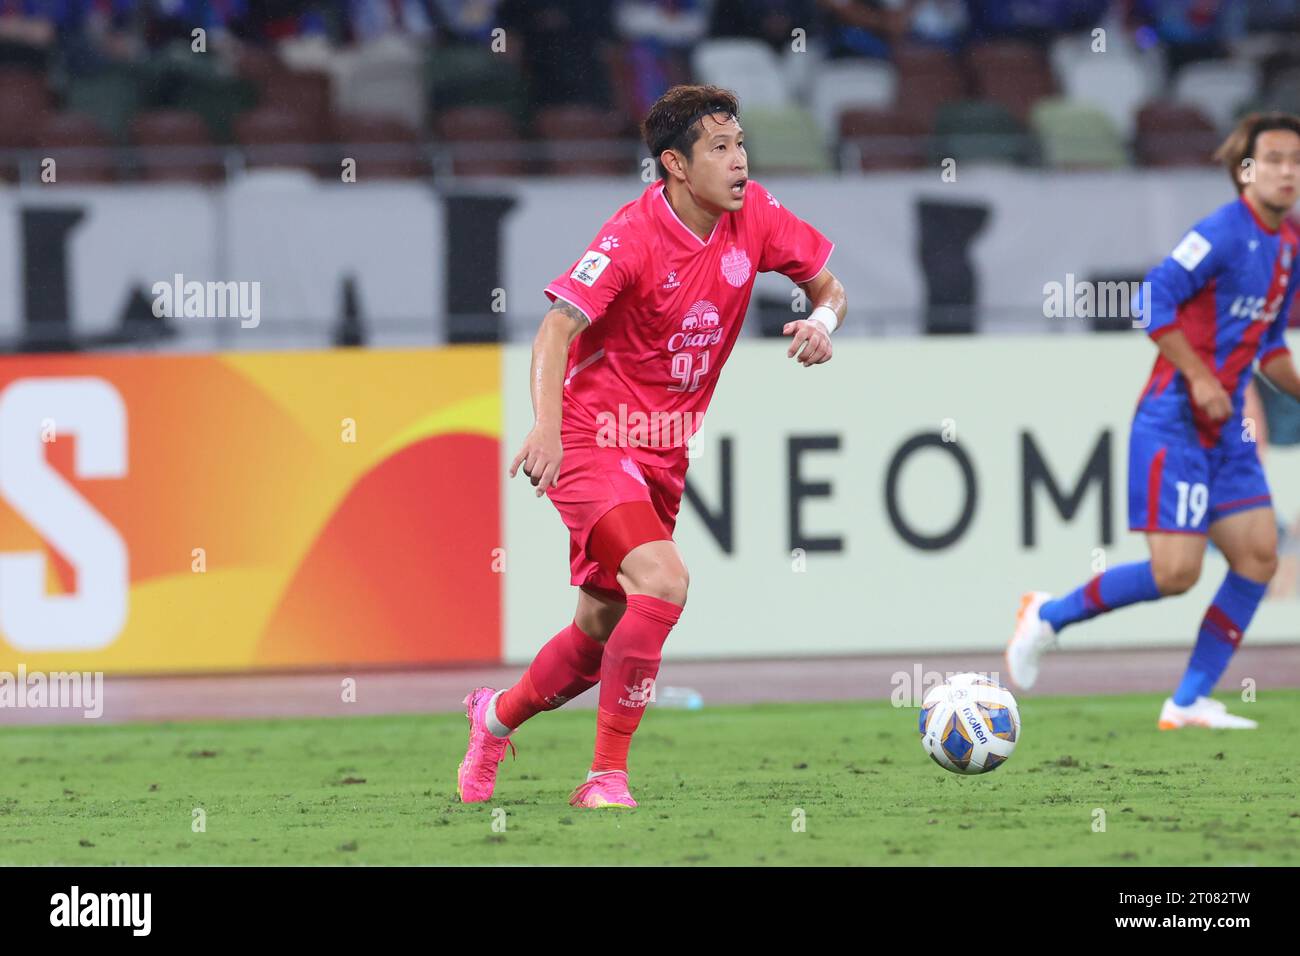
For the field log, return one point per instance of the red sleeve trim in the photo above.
(1163, 330)
(1272, 354)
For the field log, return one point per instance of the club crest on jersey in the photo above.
(589, 268)
(735, 266)
(701, 327)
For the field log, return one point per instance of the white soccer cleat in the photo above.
(1033, 636)
(1203, 712)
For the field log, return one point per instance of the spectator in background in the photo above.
(1272, 15)
(173, 21)
(1034, 20)
(268, 22)
(371, 19)
(96, 33)
(871, 28)
(27, 32)
(771, 21)
(1191, 29)
(658, 36)
(561, 44)
(466, 21)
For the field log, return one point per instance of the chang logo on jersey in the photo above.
(701, 327)
(735, 267)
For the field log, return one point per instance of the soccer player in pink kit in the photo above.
(623, 368)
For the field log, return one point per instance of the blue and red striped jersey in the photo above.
(1227, 286)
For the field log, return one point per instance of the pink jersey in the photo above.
(665, 308)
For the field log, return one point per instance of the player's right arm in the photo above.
(541, 452)
(1183, 274)
(1206, 390)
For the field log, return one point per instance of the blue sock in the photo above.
(1221, 631)
(1122, 585)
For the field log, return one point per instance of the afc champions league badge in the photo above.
(735, 267)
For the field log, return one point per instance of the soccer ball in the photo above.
(969, 724)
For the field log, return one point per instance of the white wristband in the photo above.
(825, 315)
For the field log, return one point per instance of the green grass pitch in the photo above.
(719, 786)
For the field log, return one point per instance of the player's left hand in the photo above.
(814, 340)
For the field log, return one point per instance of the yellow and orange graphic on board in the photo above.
(244, 511)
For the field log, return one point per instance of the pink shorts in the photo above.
(594, 480)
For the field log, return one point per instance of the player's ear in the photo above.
(675, 162)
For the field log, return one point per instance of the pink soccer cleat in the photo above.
(477, 773)
(609, 790)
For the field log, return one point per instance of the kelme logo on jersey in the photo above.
(589, 268)
(735, 267)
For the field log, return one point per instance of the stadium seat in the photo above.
(784, 141)
(927, 78)
(1218, 88)
(882, 139)
(278, 137)
(1284, 91)
(482, 141)
(583, 140)
(63, 135)
(383, 78)
(1076, 135)
(384, 148)
(24, 101)
(748, 67)
(1012, 73)
(305, 94)
(850, 84)
(255, 64)
(196, 85)
(1117, 81)
(979, 131)
(799, 70)
(175, 146)
(1172, 134)
(110, 96)
(306, 54)
(22, 91)
(473, 76)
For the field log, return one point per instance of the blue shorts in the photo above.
(1175, 484)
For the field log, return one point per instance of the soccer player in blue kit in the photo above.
(1217, 304)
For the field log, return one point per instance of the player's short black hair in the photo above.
(1240, 144)
(674, 120)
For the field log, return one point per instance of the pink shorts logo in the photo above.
(630, 467)
(735, 266)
